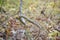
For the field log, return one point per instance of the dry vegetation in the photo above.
(43, 20)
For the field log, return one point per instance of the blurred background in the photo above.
(45, 12)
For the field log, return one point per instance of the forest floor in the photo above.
(45, 14)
